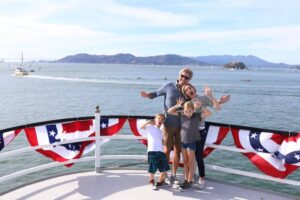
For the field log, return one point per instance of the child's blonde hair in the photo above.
(159, 115)
(188, 105)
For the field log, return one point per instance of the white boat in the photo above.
(120, 183)
(20, 72)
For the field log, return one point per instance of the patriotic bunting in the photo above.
(274, 154)
(262, 147)
(135, 125)
(7, 137)
(111, 126)
(289, 151)
(48, 134)
(215, 135)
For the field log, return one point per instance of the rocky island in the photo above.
(235, 65)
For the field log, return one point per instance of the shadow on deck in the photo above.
(128, 184)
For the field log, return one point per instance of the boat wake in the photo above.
(137, 81)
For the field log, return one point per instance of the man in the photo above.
(171, 92)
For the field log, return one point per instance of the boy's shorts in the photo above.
(157, 160)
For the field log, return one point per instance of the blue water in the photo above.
(266, 98)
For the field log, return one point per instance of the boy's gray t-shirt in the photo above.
(189, 127)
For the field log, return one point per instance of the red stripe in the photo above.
(277, 138)
(236, 138)
(72, 127)
(264, 166)
(134, 130)
(31, 136)
(223, 131)
(111, 130)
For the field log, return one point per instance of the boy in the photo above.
(156, 157)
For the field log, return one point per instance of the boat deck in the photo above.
(128, 184)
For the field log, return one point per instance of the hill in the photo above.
(169, 59)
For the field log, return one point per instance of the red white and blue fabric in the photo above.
(215, 135)
(289, 153)
(135, 126)
(48, 134)
(289, 150)
(262, 146)
(111, 126)
(7, 137)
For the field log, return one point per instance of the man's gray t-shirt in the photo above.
(189, 127)
(171, 93)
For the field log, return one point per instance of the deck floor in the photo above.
(128, 184)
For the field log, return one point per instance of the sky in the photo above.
(50, 30)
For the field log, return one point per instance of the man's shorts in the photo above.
(157, 160)
(171, 137)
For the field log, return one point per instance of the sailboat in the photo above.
(20, 71)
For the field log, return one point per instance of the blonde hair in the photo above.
(187, 70)
(183, 90)
(188, 105)
(159, 115)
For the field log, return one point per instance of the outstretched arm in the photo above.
(224, 99)
(145, 95)
(173, 110)
(208, 92)
(143, 126)
(161, 91)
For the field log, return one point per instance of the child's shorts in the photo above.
(157, 160)
(189, 146)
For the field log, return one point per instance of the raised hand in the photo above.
(197, 103)
(224, 99)
(207, 90)
(179, 101)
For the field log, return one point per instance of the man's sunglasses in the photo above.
(185, 77)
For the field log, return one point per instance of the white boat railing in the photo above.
(98, 157)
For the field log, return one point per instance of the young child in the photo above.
(156, 157)
(201, 102)
(190, 122)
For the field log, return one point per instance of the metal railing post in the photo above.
(97, 140)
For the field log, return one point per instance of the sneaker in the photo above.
(168, 180)
(175, 180)
(162, 184)
(201, 183)
(184, 183)
(152, 185)
(196, 184)
(185, 186)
